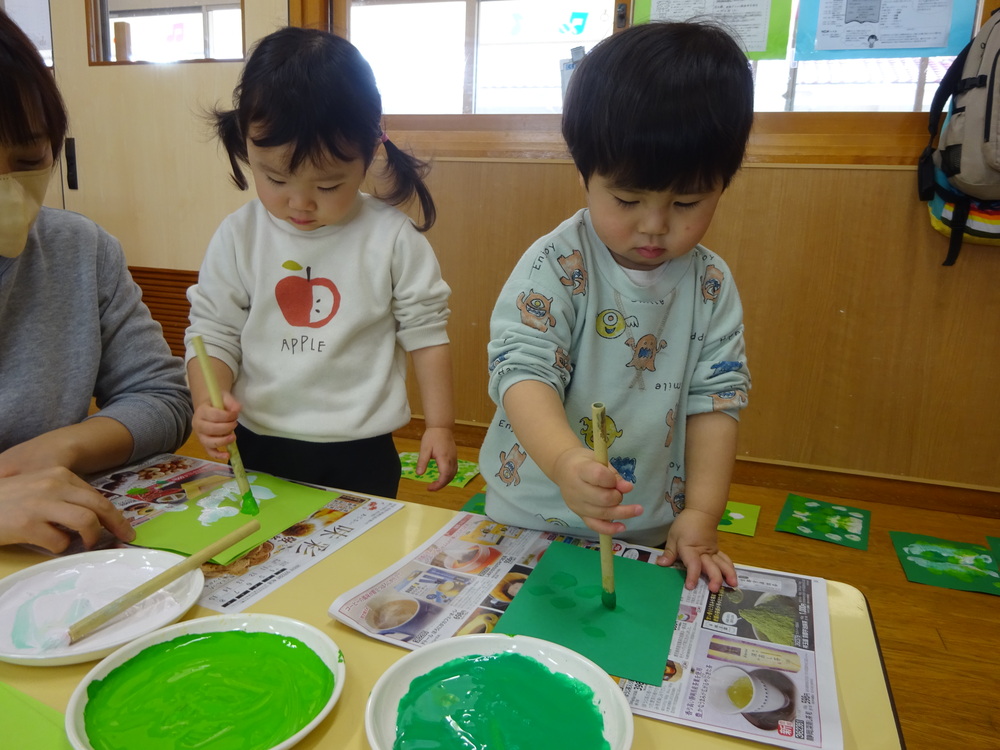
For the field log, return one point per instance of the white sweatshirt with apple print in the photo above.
(316, 325)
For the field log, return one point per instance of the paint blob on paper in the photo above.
(229, 690)
(224, 500)
(501, 700)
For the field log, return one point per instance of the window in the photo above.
(33, 18)
(506, 57)
(168, 30)
(475, 56)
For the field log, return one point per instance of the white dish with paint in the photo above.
(318, 641)
(383, 703)
(38, 604)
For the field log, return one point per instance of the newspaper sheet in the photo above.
(753, 662)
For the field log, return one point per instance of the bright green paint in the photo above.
(213, 691)
(504, 701)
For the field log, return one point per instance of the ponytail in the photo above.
(230, 134)
(406, 174)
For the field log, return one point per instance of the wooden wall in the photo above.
(868, 356)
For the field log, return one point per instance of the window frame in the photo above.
(97, 50)
(893, 139)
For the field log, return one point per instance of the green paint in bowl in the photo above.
(223, 690)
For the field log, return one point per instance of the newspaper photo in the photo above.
(752, 662)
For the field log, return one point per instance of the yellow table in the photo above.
(866, 707)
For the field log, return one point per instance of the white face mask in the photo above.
(21, 196)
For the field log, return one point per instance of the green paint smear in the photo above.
(212, 691)
(504, 700)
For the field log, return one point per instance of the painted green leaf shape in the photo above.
(291, 265)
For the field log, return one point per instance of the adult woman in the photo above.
(72, 328)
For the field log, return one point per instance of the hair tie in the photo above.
(384, 137)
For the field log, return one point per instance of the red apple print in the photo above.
(304, 301)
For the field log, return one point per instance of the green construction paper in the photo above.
(994, 545)
(561, 602)
(282, 504)
(827, 522)
(947, 564)
(467, 470)
(476, 504)
(740, 518)
(29, 723)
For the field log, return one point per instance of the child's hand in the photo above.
(438, 443)
(593, 491)
(214, 427)
(694, 540)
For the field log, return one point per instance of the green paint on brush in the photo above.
(504, 700)
(609, 599)
(228, 690)
(249, 505)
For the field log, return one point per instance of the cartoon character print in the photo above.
(721, 368)
(675, 495)
(609, 425)
(734, 399)
(611, 323)
(644, 352)
(670, 429)
(536, 310)
(562, 360)
(575, 272)
(711, 284)
(306, 301)
(510, 462)
(624, 465)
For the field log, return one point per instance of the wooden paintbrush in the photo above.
(607, 554)
(87, 625)
(249, 503)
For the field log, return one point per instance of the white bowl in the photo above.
(393, 685)
(47, 593)
(315, 639)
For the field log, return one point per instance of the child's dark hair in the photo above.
(30, 103)
(314, 90)
(661, 106)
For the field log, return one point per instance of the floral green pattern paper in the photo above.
(947, 564)
(467, 470)
(827, 522)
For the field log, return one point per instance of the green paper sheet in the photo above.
(476, 504)
(994, 545)
(561, 602)
(194, 524)
(740, 518)
(827, 522)
(29, 723)
(947, 564)
(467, 470)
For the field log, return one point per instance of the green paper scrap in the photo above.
(947, 564)
(29, 723)
(194, 524)
(827, 522)
(561, 602)
(740, 518)
(467, 470)
(476, 504)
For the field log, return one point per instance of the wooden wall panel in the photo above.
(868, 356)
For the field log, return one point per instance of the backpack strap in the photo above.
(949, 85)
(959, 216)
